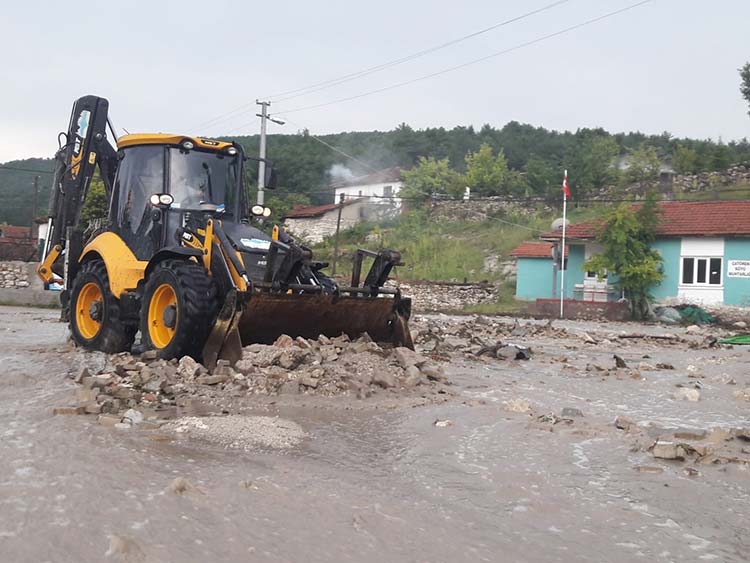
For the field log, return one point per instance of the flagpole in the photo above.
(562, 250)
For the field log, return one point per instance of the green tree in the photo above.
(643, 165)
(281, 205)
(96, 205)
(543, 177)
(591, 164)
(626, 235)
(685, 160)
(745, 83)
(431, 176)
(486, 173)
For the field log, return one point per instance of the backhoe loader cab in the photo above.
(179, 259)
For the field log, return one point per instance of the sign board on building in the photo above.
(738, 269)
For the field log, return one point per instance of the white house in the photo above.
(380, 187)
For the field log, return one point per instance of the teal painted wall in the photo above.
(670, 253)
(736, 290)
(534, 279)
(574, 274)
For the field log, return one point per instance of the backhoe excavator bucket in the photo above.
(265, 316)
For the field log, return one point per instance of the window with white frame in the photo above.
(701, 270)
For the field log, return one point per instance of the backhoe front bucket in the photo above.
(269, 315)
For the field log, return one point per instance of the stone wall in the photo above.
(580, 310)
(17, 274)
(428, 297)
(482, 209)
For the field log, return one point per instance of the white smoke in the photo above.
(340, 173)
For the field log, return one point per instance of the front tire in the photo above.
(178, 309)
(95, 312)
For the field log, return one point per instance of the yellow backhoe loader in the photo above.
(180, 258)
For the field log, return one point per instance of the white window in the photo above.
(701, 270)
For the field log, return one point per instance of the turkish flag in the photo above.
(566, 189)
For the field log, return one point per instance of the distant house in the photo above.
(535, 267)
(16, 243)
(380, 188)
(705, 247)
(316, 222)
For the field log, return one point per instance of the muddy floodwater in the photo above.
(374, 480)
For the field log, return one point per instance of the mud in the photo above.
(524, 462)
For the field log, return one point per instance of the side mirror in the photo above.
(271, 180)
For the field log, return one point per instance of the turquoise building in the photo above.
(705, 247)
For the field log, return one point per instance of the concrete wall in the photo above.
(534, 279)
(574, 273)
(670, 253)
(19, 285)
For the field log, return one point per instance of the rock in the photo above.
(443, 423)
(307, 381)
(645, 366)
(188, 367)
(686, 394)
(619, 362)
(588, 339)
(68, 410)
(742, 395)
(662, 365)
(132, 416)
(740, 325)
(108, 420)
(517, 405)
(384, 380)
(154, 385)
(571, 412)
(84, 373)
(690, 434)
(180, 486)
(649, 469)
(433, 372)
(624, 423)
(412, 376)
(693, 329)
(406, 357)
(86, 395)
(92, 408)
(149, 356)
(289, 388)
(668, 450)
(284, 341)
(302, 343)
(691, 472)
(212, 379)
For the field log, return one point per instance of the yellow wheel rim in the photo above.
(161, 328)
(89, 310)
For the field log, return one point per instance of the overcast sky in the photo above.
(170, 66)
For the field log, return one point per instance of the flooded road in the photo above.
(376, 482)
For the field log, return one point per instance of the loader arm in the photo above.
(84, 146)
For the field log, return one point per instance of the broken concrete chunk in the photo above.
(686, 394)
(668, 450)
(433, 372)
(406, 357)
(517, 405)
(571, 412)
(624, 423)
(284, 341)
(384, 380)
(212, 379)
(188, 367)
(68, 410)
(619, 362)
(132, 417)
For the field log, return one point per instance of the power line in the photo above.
(326, 84)
(471, 62)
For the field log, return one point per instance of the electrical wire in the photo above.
(15, 168)
(326, 84)
(563, 31)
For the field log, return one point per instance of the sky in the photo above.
(174, 66)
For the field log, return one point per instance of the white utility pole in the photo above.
(562, 250)
(262, 162)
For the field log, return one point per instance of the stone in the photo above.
(693, 329)
(571, 412)
(180, 486)
(406, 357)
(93, 408)
(307, 381)
(149, 356)
(68, 410)
(625, 423)
(686, 394)
(740, 325)
(289, 388)
(108, 420)
(663, 365)
(86, 395)
(188, 367)
(412, 376)
(619, 362)
(284, 341)
(302, 343)
(126, 393)
(132, 416)
(154, 385)
(82, 374)
(443, 423)
(668, 450)
(123, 426)
(212, 379)
(649, 469)
(588, 339)
(742, 395)
(433, 372)
(517, 405)
(384, 380)
(645, 366)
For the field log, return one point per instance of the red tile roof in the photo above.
(535, 250)
(682, 218)
(379, 177)
(14, 232)
(300, 212)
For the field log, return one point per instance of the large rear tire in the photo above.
(95, 312)
(178, 309)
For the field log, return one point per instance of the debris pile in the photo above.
(111, 385)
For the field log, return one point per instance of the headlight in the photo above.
(257, 210)
(166, 199)
(231, 151)
(188, 145)
(266, 212)
(154, 199)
